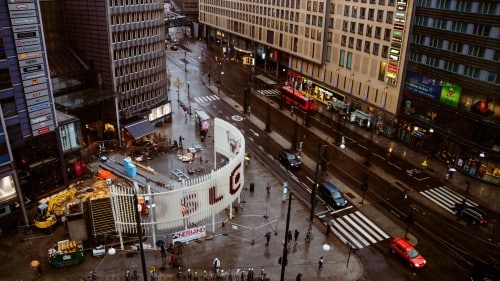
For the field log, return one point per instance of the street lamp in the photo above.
(284, 257)
(189, 100)
(321, 151)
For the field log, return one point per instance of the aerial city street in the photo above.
(257, 140)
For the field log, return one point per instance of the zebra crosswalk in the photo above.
(357, 230)
(207, 99)
(445, 197)
(269, 93)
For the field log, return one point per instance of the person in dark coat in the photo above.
(299, 277)
(296, 235)
(163, 251)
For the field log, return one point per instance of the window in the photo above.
(439, 23)
(342, 58)
(328, 53)
(343, 40)
(346, 10)
(376, 47)
(5, 79)
(358, 44)
(465, 6)
(14, 133)
(330, 36)
(432, 61)
(367, 47)
(354, 12)
(361, 28)
(308, 19)
(378, 32)
(330, 23)
(380, 15)
(436, 43)
(387, 34)
(385, 51)
(416, 57)
(455, 47)
(2, 50)
(451, 66)
(486, 7)
(493, 77)
(349, 60)
(481, 30)
(369, 30)
(351, 42)
(389, 17)
(9, 107)
(344, 25)
(443, 4)
(4, 151)
(353, 27)
(362, 13)
(469, 71)
(371, 14)
(459, 26)
(476, 51)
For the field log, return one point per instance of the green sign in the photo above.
(450, 94)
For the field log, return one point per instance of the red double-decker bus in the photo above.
(297, 99)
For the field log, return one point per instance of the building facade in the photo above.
(388, 65)
(102, 63)
(346, 54)
(451, 98)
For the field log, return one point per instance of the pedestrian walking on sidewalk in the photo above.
(268, 238)
(320, 263)
(299, 277)
(289, 236)
(216, 264)
(268, 188)
(296, 235)
(328, 229)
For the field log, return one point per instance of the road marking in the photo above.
(254, 133)
(445, 198)
(357, 229)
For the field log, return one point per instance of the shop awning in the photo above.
(139, 129)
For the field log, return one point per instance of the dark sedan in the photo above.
(470, 213)
(289, 159)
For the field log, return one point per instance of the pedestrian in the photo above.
(163, 251)
(216, 264)
(290, 237)
(296, 235)
(268, 188)
(328, 230)
(180, 140)
(299, 277)
(320, 263)
(308, 236)
(268, 238)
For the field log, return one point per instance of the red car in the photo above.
(406, 251)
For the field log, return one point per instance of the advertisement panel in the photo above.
(450, 94)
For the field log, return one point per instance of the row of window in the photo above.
(138, 67)
(5, 81)
(380, 2)
(137, 50)
(369, 14)
(366, 30)
(456, 47)
(455, 26)
(140, 99)
(281, 3)
(365, 46)
(479, 7)
(135, 17)
(136, 34)
(116, 3)
(450, 66)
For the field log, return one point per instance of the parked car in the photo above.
(407, 252)
(332, 195)
(470, 213)
(289, 159)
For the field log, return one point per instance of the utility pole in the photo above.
(139, 232)
(315, 186)
(284, 257)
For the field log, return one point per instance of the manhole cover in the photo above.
(237, 118)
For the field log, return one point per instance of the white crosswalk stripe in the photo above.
(205, 99)
(357, 230)
(269, 93)
(445, 198)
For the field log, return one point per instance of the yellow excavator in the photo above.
(47, 213)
